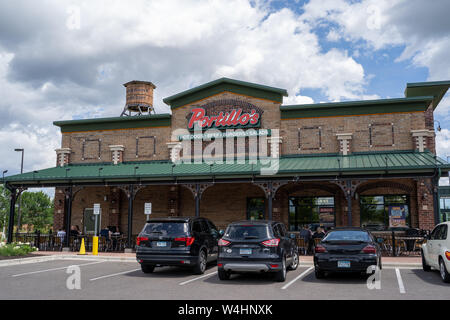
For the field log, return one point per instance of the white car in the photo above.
(436, 251)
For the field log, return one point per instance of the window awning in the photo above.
(302, 166)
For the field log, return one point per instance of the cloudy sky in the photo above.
(68, 59)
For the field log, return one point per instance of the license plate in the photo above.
(245, 251)
(343, 264)
(161, 244)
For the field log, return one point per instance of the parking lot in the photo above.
(100, 279)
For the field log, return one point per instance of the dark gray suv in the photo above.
(178, 241)
(257, 246)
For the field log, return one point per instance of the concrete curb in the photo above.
(98, 258)
(29, 260)
(14, 262)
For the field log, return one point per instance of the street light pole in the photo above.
(4, 218)
(20, 195)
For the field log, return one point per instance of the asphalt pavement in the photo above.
(108, 279)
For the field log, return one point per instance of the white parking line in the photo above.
(114, 274)
(204, 276)
(297, 278)
(400, 281)
(55, 269)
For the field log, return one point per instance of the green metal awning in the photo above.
(375, 163)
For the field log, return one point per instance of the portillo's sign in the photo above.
(225, 114)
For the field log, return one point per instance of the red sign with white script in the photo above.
(231, 119)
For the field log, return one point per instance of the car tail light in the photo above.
(140, 239)
(447, 255)
(223, 243)
(220, 264)
(271, 242)
(274, 266)
(320, 249)
(369, 249)
(187, 240)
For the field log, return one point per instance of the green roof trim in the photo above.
(303, 166)
(154, 120)
(350, 108)
(436, 89)
(225, 84)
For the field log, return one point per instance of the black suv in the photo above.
(257, 246)
(180, 241)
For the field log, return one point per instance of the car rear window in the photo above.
(347, 235)
(244, 232)
(167, 228)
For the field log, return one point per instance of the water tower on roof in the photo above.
(139, 98)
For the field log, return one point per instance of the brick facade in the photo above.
(224, 203)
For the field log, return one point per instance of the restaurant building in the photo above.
(369, 163)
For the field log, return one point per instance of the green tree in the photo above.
(37, 210)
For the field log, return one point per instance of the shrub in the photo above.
(15, 249)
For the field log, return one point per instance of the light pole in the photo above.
(4, 218)
(20, 195)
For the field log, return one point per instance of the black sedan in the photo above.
(346, 250)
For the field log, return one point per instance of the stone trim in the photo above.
(420, 137)
(63, 156)
(117, 153)
(344, 142)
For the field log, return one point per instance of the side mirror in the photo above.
(380, 240)
(221, 232)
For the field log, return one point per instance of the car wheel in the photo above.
(425, 266)
(146, 268)
(280, 276)
(319, 273)
(200, 267)
(294, 263)
(224, 275)
(443, 270)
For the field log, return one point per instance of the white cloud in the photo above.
(51, 72)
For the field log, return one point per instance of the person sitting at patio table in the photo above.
(61, 234)
(319, 234)
(306, 234)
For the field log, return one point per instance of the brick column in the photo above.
(173, 204)
(114, 206)
(58, 214)
(425, 207)
(429, 124)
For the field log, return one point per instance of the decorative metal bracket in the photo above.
(130, 190)
(270, 188)
(348, 186)
(431, 186)
(197, 189)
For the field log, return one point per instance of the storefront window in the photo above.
(256, 208)
(445, 209)
(311, 211)
(384, 212)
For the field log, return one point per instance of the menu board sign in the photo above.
(397, 216)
